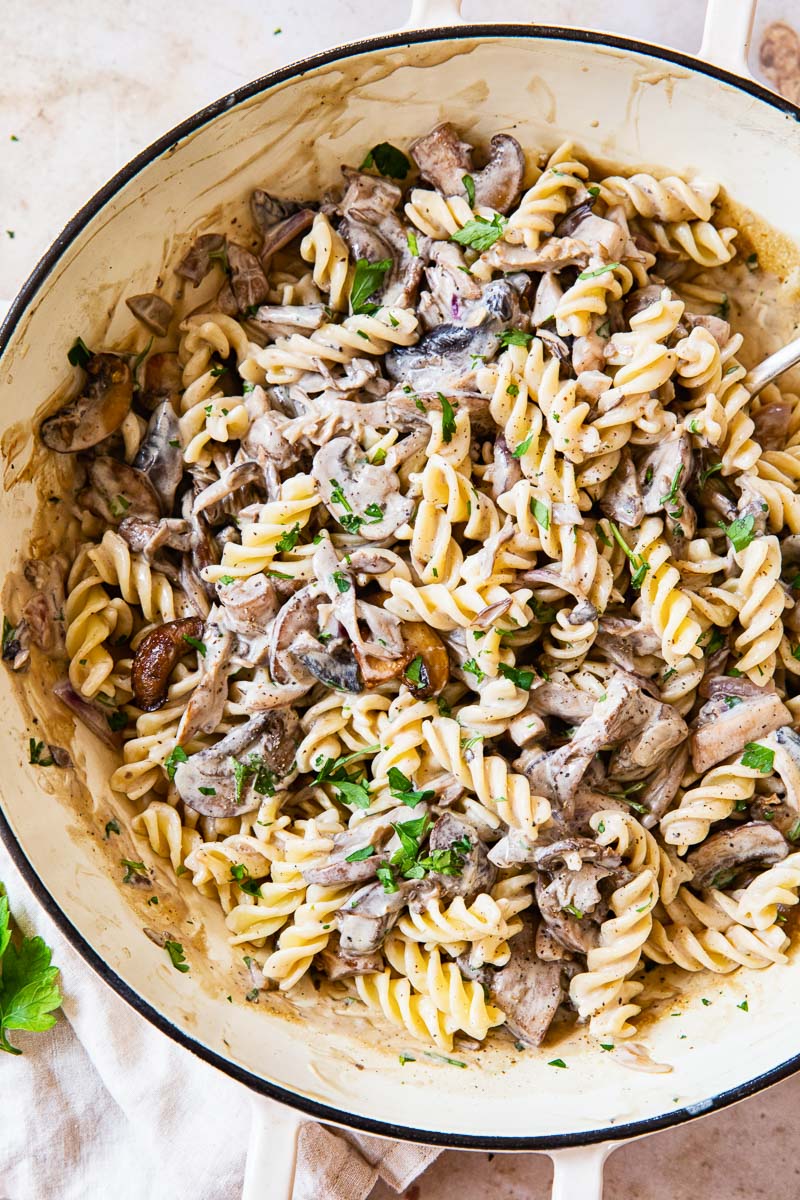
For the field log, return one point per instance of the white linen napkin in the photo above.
(105, 1105)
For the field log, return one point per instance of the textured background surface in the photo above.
(86, 86)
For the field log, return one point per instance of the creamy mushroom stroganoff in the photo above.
(435, 582)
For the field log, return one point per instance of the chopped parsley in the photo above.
(515, 337)
(360, 855)
(287, 541)
(413, 244)
(480, 234)
(758, 757)
(523, 447)
(388, 160)
(469, 188)
(473, 668)
(176, 955)
(599, 271)
(79, 353)
(541, 513)
(341, 581)
(117, 720)
(415, 671)
(403, 789)
(367, 279)
(112, 827)
(175, 756)
(639, 565)
(744, 1006)
(196, 644)
(448, 418)
(518, 675)
(708, 472)
(264, 776)
(134, 871)
(557, 1062)
(672, 494)
(35, 750)
(740, 532)
(445, 1058)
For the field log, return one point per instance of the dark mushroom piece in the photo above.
(433, 673)
(556, 254)
(278, 236)
(117, 491)
(528, 989)
(663, 786)
(639, 755)
(721, 857)
(333, 664)
(299, 615)
(268, 211)
(369, 914)
(157, 656)
(205, 706)
(338, 964)
(97, 412)
(163, 380)
(231, 777)
(476, 873)
(248, 281)
(622, 498)
(720, 730)
(160, 455)
(153, 311)
(88, 712)
(205, 252)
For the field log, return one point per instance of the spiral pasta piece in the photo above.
(462, 1001)
(668, 199)
(562, 179)
(402, 1006)
(712, 800)
(326, 249)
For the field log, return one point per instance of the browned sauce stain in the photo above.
(779, 58)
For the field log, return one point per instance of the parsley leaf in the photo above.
(134, 871)
(639, 565)
(341, 581)
(287, 541)
(79, 353)
(598, 271)
(448, 418)
(196, 644)
(480, 234)
(112, 827)
(388, 160)
(473, 668)
(740, 532)
(367, 279)
(515, 337)
(413, 245)
(672, 494)
(28, 989)
(176, 955)
(403, 789)
(712, 470)
(469, 188)
(360, 855)
(541, 512)
(523, 447)
(35, 754)
(414, 671)
(758, 757)
(175, 756)
(519, 676)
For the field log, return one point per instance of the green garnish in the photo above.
(175, 756)
(523, 447)
(196, 644)
(599, 271)
(639, 566)
(402, 788)
(79, 353)
(557, 1062)
(287, 541)
(672, 494)
(134, 871)
(712, 470)
(117, 720)
(518, 675)
(413, 245)
(469, 188)
(758, 757)
(473, 668)
(541, 513)
(112, 827)
(515, 337)
(341, 581)
(35, 754)
(388, 160)
(451, 1062)
(28, 989)
(448, 418)
(367, 279)
(360, 855)
(176, 955)
(740, 532)
(480, 234)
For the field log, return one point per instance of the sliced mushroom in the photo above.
(156, 657)
(98, 411)
(368, 916)
(117, 491)
(231, 777)
(153, 311)
(337, 964)
(527, 989)
(476, 873)
(248, 281)
(160, 455)
(206, 251)
(349, 486)
(278, 236)
(250, 605)
(664, 475)
(268, 210)
(43, 613)
(163, 380)
(663, 785)
(300, 615)
(639, 755)
(722, 855)
(91, 714)
(720, 730)
(499, 183)
(562, 700)
(433, 675)
(333, 664)
(556, 254)
(622, 498)
(205, 706)
(443, 159)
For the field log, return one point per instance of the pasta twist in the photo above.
(668, 199)
(444, 609)
(404, 1007)
(589, 297)
(169, 838)
(462, 1001)
(215, 419)
(91, 618)
(306, 936)
(663, 604)
(356, 336)
(556, 190)
(298, 499)
(433, 925)
(760, 600)
(135, 578)
(326, 249)
(207, 334)
(699, 240)
(712, 800)
(440, 217)
(715, 950)
(776, 888)
(502, 793)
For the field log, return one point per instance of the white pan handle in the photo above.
(272, 1152)
(726, 35)
(430, 14)
(578, 1172)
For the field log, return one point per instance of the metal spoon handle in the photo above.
(788, 356)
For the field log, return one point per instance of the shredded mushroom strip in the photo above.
(435, 586)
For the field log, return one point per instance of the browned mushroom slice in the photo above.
(443, 159)
(205, 252)
(337, 964)
(333, 664)
(157, 655)
(163, 380)
(153, 311)
(369, 914)
(364, 498)
(298, 616)
(528, 990)
(98, 411)
(160, 456)
(117, 491)
(721, 729)
(499, 183)
(431, 676)
(248, 281)
(286, 231)
(269, 210)
(719, 859)
(232, 776)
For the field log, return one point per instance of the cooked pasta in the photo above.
(437, 602)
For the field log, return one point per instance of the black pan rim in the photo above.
(21, 304)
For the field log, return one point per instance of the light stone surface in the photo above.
(89, 83)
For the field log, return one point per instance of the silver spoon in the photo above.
(773, 366)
